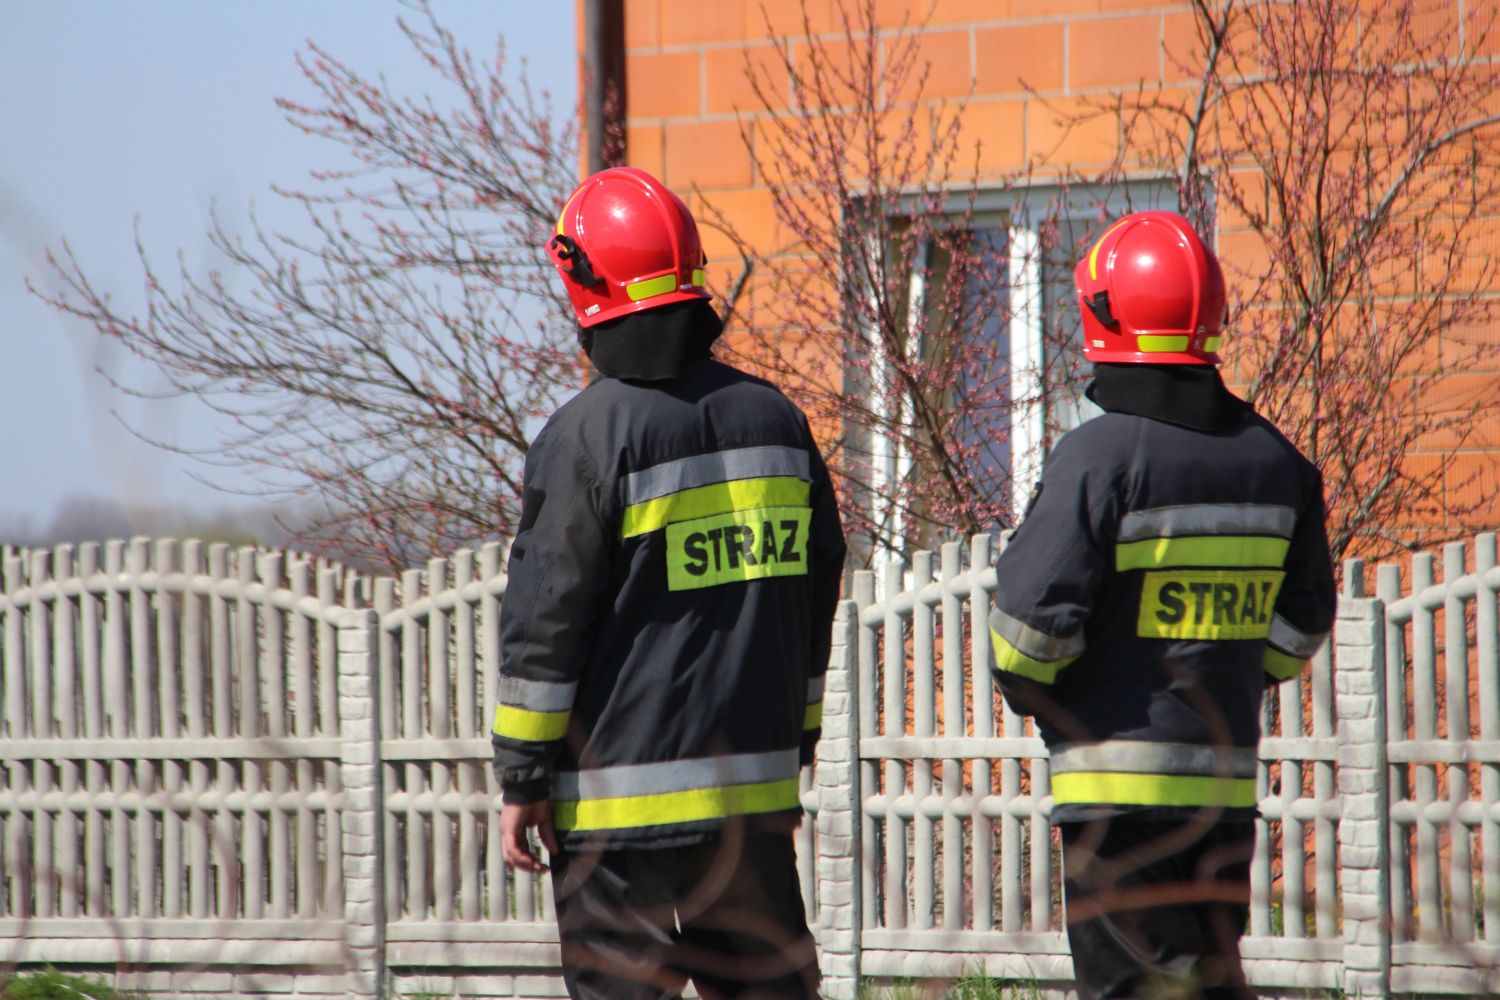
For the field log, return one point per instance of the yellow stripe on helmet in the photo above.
(1094, 253)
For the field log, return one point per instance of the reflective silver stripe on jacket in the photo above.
(675, 775)
(1208, 519)
(537, 696)
(1033, 642)
(814, 690)
(1289, 639)
(715, 467)
(1137, 757)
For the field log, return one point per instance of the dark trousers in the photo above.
(1156, 909)
(726, 914)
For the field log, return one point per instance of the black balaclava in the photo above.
(654, 344)
(1187, 395)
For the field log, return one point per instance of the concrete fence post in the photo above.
(839, 814)
(1364, 791)
(363, 801)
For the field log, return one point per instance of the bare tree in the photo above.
(394, 364)
(1353, 152)
(879, 314)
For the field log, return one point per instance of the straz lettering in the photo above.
(737, 546)
(1208, 604)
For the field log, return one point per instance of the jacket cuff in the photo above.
(524, 793)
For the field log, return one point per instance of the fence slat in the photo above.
(466, 728)
(1456, 708)
(304, 724)
(1424, 717)
(413, 727)
(894, 707)
(924, 674)
(439, 715)
(116, 707)
(953, 724)
(1487, 632)
(228, 898)
(252, 726)
(43, 862)
(169, 708)
(869, 708)
(195, 716)
(1388, 589)
(981, 680)
(91, 643)
(490, 566)
(72, 884)
(385, 603)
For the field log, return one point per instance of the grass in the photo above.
(49, 984)
(968, 987)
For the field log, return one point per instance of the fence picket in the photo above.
(195, 715)
(981, 826)
(1456, 711)
(170, 700)
(91, 641)
(1487, 631)
(116, 708)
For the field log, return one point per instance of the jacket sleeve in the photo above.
(1305, 605)
(1050, 576)
(559, 567)
(826, 551)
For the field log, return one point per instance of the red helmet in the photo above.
(1151, 292)
(625, 243)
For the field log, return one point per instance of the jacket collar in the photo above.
(1192, 396)
(655, 344)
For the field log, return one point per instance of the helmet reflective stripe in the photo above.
(1158, 344)
(651, 287)
(1094, 253)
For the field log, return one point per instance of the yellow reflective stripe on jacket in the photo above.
(1110, 788)
(1011, 660)
(738, 546)
(1281, 666)
(719, 498)
(812, 717)
(666, 808)
(523, 724)
(1208, 603)
(1202, 550)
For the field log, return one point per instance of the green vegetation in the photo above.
(49, 984)
(968, 987)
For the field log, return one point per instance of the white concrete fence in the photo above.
(247, 773)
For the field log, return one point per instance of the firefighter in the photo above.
(1173, 563)
(665, 629)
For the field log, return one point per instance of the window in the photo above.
(1033, 372)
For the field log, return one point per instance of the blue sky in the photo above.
(119, 112)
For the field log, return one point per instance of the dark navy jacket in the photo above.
(1173, 563)
(666, 623)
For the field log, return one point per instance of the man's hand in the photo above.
(515, 820)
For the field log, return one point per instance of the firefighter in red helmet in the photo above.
(1172, 565)
(665, 629)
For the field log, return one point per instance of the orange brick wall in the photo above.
(690, 111)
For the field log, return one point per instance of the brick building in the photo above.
(1024, 73)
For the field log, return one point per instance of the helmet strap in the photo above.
(1098, 304)
(573, 261)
